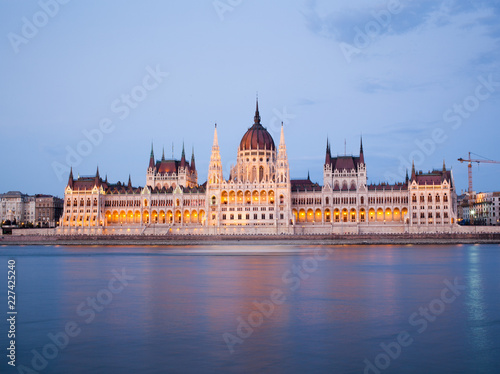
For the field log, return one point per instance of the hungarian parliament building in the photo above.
(259, 197)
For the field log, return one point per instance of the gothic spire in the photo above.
(282, 136)
(328, 156)
(163, 154)
(361, 155)
(413, 173)
(256, 118)
(193, 166)
(152, 158)
(183, 157)
(70, 179)
(129, 182)
(216, 139)
(215, 169)
(97, 178)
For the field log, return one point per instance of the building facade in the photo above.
(259, 197)
(485, 209)
(23, 210)
(48, 210)
(17, 208)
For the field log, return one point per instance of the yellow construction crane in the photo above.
(470, 161)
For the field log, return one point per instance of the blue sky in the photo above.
(418, 79)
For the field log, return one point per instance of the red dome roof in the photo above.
(257, 136)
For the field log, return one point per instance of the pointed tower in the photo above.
(183, 157)
(215, 169)
(163, 154)
(214, 181)
(129, 185)
(328, 155)
(361, 155)
(151, 172)
(327, 167)
(70, 179)
(283, 184)
(283, 170)
(193, 165)
(152, 158)
(413, 173)
(97, 179)
(256, 118)
(444, 166)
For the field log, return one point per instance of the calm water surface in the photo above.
(334, 309)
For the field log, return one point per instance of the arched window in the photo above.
(429, 198)
(414, 198)
(445, 198)
(261, 173)
(362, 199)
(214, 200)
(327, 200)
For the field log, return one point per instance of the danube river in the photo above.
(252, 309)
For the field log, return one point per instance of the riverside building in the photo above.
(259, 197)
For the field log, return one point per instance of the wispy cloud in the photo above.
(340, 22)
(305, 101)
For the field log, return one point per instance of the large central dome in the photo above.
(257, 136)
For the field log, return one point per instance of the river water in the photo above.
(253, 309)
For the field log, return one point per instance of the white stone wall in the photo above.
(432, 205)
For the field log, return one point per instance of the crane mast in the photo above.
(469, 167)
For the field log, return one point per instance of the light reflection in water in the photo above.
(172, 316)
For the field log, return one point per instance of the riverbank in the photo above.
(180, 240)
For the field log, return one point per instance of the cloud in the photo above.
(341, 22)
(375, 85)
(305, 101)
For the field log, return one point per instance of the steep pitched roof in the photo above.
(304, 185)
(433, 177)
